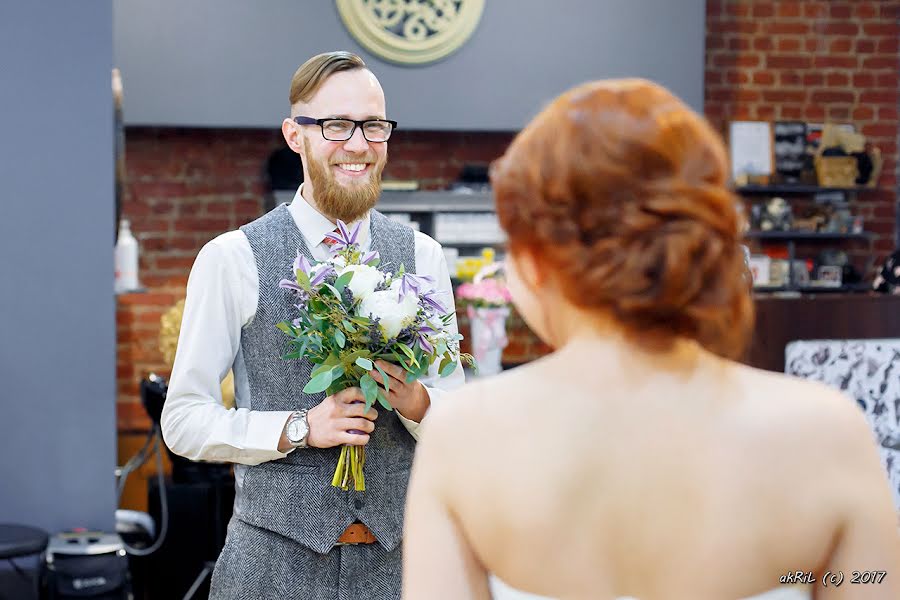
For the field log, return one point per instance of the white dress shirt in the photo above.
(222, 296)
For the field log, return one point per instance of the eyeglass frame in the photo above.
(301, 120)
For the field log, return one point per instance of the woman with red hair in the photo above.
(639, 459)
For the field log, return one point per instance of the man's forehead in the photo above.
(349, 92)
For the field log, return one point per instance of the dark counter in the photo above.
(780, 320)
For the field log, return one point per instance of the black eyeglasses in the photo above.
(341, 130)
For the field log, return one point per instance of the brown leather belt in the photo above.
(357, 533)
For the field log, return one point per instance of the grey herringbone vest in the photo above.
(294, 496)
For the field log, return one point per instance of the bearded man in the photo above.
(292, 534)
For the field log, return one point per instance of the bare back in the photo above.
(677, 477)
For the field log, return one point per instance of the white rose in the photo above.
(338, 261)
(364, 281)
(393, 314)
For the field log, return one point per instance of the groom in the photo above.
(293, 535)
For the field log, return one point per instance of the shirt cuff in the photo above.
(434, 394)
(264, 431)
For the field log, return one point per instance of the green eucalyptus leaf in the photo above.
(384, 379)
(340, 338)
(383, 401)
(285, 327)
(348, 326)
(369, 389)
(319, 383)
(448, 368)
(343, 280)
(333, 290)
(365, 363)
(303, 280)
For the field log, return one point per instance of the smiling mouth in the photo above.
(352, 168)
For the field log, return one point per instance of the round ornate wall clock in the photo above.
(411, 32)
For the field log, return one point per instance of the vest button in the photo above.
(358, 503)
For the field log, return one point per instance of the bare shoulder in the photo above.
(817, 416)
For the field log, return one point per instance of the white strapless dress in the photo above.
(501, 591)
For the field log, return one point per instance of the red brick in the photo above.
(838, 80)
(865, 10)
(736, 60)
(763, 78)
(739, 43)
(841, 45)
(763, 43)
(838, 113)
(815, 113)
(889, 45)
(865, 46)
(879, 129)
(711, 77)
(890, 10)
(737, 77)
(175, 262)
(863, 80)
(790, 78)
(888, 80)
(840, 62)
(737, 10)
(814, 10)
(887, 113)
(790, 44)
(794, 28)
(783, 95)
(839, 10)
(835, 28)
(885, 29)
(765, 112)
(880, 62)
(789, 8)
(863, 113)
(813, 79)
(762, 10)
(791, 112)
(202, 224)
(828, 96)
(788, 61)
(886, 97)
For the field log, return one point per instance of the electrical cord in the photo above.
(154, 444)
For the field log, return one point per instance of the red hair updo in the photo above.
(619, 190)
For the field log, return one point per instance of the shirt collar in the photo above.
(314, 225)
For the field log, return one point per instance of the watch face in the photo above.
(296, 430)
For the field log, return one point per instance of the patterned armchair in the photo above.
(866, 370)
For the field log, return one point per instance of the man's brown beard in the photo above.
(336, 201)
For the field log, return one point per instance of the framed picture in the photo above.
(751, 147)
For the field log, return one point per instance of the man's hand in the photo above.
(409, 399)
(331, 422)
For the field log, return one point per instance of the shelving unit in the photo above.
(792, 238)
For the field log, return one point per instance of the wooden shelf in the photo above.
(795, 189)
(807, 235)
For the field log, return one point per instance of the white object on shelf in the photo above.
(126, 260)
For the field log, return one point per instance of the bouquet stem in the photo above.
(350, 469)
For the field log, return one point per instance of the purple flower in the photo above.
(343, 237)
(369, 257)
(287, 284)
(301, 264)
(322, 274)
(425, 344)
(415, 284)
(428, 299)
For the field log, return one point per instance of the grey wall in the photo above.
(57, 346)
(229, 62)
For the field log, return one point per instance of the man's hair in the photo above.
(313, 73)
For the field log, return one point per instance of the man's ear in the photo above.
(292, 136)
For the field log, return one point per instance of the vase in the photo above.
(488, 331)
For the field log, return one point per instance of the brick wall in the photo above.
(816, 61)
(811, 60)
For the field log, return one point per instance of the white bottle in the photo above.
(126, 259)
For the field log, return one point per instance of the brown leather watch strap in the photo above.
(357, 533)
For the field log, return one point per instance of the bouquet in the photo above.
(350, 314)
(487, 301)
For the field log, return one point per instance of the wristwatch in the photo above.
(297, 429)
